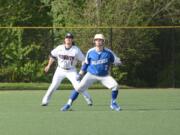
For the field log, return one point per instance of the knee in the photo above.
(80, 89)
(54, 85)
(76, 88)
(115, 88)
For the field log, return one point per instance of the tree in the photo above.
(20, 46)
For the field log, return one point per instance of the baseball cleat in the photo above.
(66, 107)
(115, 106)
(44, 104)
(89, 102)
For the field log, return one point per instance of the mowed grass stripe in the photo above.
(145, 111)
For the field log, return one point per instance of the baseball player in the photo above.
(67, 56)
(97, 63)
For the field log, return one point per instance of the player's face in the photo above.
(68, 41)
(99, 42)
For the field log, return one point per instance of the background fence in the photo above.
(150, 55)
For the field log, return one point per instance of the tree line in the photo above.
(150, 56)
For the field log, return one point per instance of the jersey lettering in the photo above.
(66, 57)
(97, 62)
(68, 60)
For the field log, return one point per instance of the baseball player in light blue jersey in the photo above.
(97, 63)
(67, 56)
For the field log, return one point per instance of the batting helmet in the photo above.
(69, 35)
(99, 36)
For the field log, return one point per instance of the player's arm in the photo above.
(83, 69)
(84, 60)
(85, 65)
(50, 62)
(115, 60)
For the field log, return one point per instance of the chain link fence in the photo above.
(150, 55)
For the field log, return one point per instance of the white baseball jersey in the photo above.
(67, 58)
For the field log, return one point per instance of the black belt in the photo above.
(66, 68)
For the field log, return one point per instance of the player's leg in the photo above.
(72, 77)
(110, 83)
(57, 78)
(87, 97)
(87, 80)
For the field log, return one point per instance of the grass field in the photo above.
(145, 112)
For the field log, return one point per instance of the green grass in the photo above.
(42, 86)
(145, 112)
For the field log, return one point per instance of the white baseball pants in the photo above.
(59, 75)
(108, 81)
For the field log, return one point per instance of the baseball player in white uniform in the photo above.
(97, 63)
(67, 56)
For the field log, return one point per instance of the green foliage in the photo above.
(24, 13)
(167, 74)
(119, 75)
(147, 54)
(31, 71)
(67, 12)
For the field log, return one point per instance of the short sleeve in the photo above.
(87, 58)
(117, 60)
(80, 55)
(54, 53)
(114, 58)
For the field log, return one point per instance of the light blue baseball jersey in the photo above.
(98, 63)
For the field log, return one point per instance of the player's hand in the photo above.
(46, 69)
(79, 77)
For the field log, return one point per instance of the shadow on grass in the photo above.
(105, 107)
(151, 109)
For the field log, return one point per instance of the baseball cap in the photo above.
(69, 35)
(99, 36)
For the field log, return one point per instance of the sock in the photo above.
(73, 96)
(114, 95)
(69, 102)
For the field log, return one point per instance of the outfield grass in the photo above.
(145, 112)
(42, 86)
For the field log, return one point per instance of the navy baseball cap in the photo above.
(69, 35)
